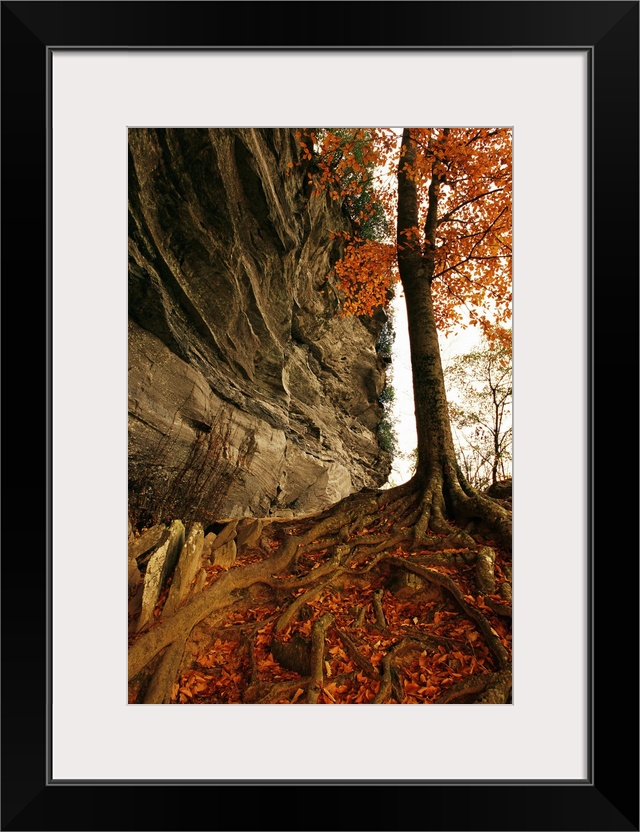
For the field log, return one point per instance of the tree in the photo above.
(462, 241)
(480, 390)
(451, 196)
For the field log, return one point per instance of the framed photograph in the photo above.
(562, 78)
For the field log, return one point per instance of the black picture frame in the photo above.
(608, 799)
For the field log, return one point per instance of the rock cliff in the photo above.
(235, 345)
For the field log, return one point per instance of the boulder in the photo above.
(159, 567)
(207, 546)
(189, 562)
(225, 556)
(228, 533)
(501, 490)
(147, 541)
(249, 533)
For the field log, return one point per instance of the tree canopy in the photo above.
(461, 224)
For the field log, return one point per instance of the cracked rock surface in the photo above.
(233, 310)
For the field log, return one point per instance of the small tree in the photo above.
(479, 388)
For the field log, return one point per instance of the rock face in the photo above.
(160, 566)
(234, 336)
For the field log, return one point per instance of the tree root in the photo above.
(317, 657)
(315, 588)
(292, 610)
(281, 689)
(498, 691)
(381, 621)
(493, 688)
(466, 503)
(501, 609)
(362, 662)
(386, 685)
(384, 691)
(495, 645)
(160, 688)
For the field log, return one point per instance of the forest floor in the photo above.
(342, 607)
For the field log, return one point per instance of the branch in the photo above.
(448, 215)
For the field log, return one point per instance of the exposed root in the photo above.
(377, 606)
(455, 498)
(160, 688)
(323, 618)
(498, 691)
(317, 656)
(354, 654)
(387, 683)
(499, 607)
(281, 689)
(384, 691)
(485, 570)
(292, 610)
(496, 646)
